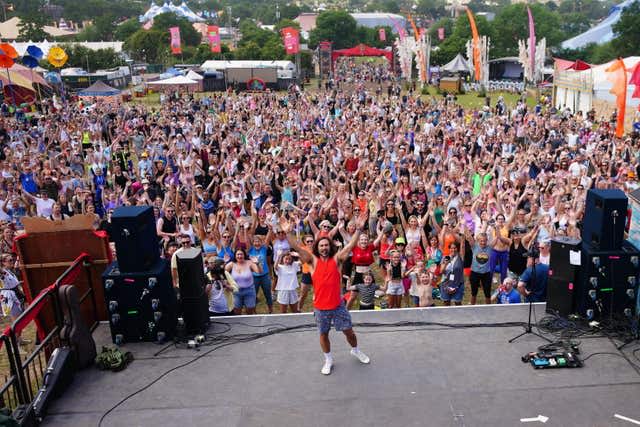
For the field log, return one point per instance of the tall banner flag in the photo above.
(291, 40)
(213, 32)
(382, 35)
(532, 43)
(617, 75)
(635, 80)
(476, 43)
(175, 40)
(441, 33)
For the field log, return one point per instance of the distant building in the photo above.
(307, 21)
(10, 29)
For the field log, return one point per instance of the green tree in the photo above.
(102, 29)
(455, 43)
(188, 35)
(272, 50)
(125, 29)
(250, 50)
(336, 26)
(627, 35)
(431, 8)
(203, 53)
(511, 26)
(148, 46)
(100, 59)
(286, 23)
(447, 24)
(31, 28)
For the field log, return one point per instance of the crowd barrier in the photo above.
(26, 369)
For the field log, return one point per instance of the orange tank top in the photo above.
(448, 239)
(326, 285)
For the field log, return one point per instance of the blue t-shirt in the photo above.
(512, 297)
(538, 289)
(480, 259)
(262, 254)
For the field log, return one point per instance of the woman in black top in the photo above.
(517, 260)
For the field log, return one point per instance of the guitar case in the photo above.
(57, 377)
(75, 332)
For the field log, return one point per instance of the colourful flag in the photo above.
(532, 42)
(416, 35)
(476, 43)
(382, 35)
(213, 32)
(441, 33)
(175, 40)
(617, 75)
(635, 80)
(291, 40)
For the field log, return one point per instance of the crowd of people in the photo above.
(444, 200)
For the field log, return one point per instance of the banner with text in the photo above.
(291, 40)
(213, 33)
(175, 40)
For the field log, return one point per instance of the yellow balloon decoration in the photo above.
(57, 56)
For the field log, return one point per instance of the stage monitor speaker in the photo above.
(564, 250)
(136, 239)
(193, 297)
(560, 296)
(142, 306)
(604, 219)
(608, 283)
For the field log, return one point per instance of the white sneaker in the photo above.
(326, 368)
(363, 358)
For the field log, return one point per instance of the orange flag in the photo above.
(617, 75)
(476, 42)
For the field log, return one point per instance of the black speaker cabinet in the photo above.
(608, 283)
(135, 236)
(142, 306)
(560, 296)
(563, 250)
(604, 220)
(193, 297)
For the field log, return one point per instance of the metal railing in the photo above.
(26, 370)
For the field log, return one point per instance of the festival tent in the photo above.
(457, 65)
(16, 87)
(177, 82)
(601, 33)
(99, 89)
(197, 78)
(362, 50)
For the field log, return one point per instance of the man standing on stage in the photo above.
(329, 307)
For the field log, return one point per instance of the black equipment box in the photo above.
(142, 306)
(563, 275)
(608, 282)
(605, 216)
(134, 233)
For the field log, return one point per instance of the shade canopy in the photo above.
(362, 50)
(174, 81)
(457, 65)
(99, 88)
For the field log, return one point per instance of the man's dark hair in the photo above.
(332, 247)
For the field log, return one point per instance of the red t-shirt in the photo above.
(351, 165)
(363, 256)
(326, 284)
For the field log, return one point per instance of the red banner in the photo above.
(175, 40)
(213, 32)
(291, 40)
(441, 33)
(382, 35)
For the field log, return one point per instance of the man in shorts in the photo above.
(329, 307)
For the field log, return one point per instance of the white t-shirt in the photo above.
(287, 276)
(44, 207)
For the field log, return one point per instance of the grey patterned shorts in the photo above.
(339, 318)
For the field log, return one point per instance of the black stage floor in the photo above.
(435, 377)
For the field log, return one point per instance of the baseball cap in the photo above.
(401, 241)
